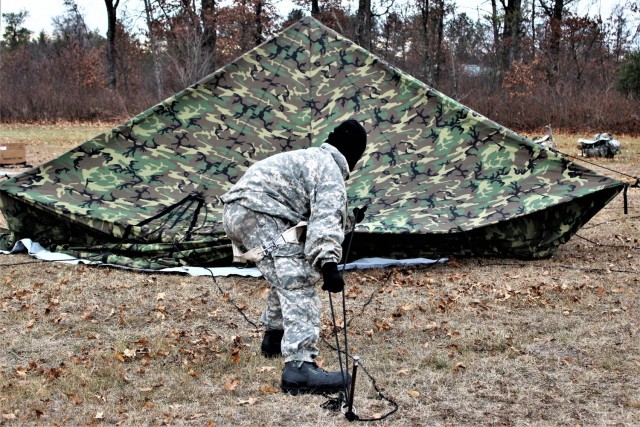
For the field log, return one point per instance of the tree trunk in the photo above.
(364, 24)
(511, 32)
(533, 28)
(112, 7)
(2, 33)
(426, 37)
(154, 49)
(258, 28)
(440, 11)
(209, 30)
(315, 8)
(555, 15)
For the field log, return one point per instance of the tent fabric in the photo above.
(438, 178)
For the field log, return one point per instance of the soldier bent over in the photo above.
(272, 196)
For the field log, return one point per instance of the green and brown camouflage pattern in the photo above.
(438, 178)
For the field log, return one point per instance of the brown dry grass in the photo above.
(470, 342)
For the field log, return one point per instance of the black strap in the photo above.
(624, 194)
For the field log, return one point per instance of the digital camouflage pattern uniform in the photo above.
(272, 196)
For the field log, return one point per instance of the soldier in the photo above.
(273, 196)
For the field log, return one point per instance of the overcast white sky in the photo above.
(41, 12)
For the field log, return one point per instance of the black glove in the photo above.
(332, 280)
(358, 213)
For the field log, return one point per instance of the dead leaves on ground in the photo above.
(33, 369)
(10, 416)
(231, 384)
(58, 309)
(269, 389)
(528, 288)
(190, 351)
(453, 290)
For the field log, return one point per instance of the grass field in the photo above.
(470, 342)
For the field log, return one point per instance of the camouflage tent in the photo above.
(439, 178)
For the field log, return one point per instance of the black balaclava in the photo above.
(350, 139)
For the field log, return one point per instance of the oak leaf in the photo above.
(231, 385)
(269, 389)
(235, 355)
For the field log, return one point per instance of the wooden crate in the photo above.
(12, 154)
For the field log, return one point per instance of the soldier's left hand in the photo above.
(333, 282)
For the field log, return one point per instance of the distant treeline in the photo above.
(524, 64)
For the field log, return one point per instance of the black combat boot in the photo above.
(307, 377)
(272, 343)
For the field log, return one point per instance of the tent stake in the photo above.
(351, 416)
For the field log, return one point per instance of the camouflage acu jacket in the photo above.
(301, 185)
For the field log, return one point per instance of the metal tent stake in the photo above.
(351, 416)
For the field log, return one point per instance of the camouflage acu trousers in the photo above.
(293, 304)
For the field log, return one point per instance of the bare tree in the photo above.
(533, 28)
(364, 24)
(157, 72)
(425, 10)
(394, 38)
(511, 32)
(185, 52)
(208, 17)
(431, 17)
(495, 26)
(258, 31)
(621, 32)
(440, 10)
(555, 13)
(526, 65)
(112, 7)
(315, 8)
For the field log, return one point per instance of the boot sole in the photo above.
(295, 390)
(270, 355)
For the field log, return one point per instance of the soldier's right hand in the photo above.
(358, 214)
